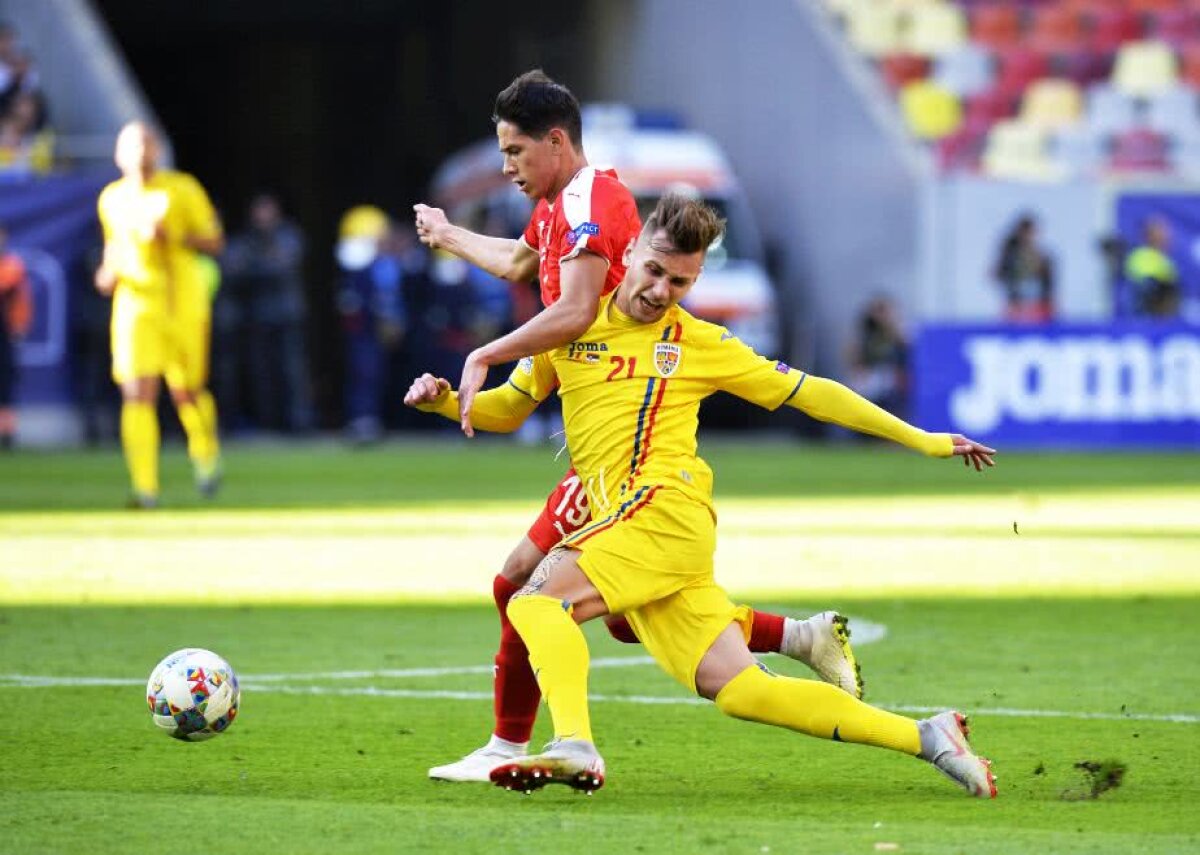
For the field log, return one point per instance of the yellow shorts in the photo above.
(652, 559)
(150, 341)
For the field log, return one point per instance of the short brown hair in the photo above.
(536, 104)
(691, 225)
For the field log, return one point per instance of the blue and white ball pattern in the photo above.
(193, 694)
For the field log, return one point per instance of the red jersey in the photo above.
(595, 212)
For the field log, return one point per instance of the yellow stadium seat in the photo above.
(874, 28)
(1017, 150)
(1145, 68)
(931, 111)
(1052, 103)
(935, 29)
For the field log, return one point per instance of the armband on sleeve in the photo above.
(830, 401)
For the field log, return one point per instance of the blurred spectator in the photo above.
(25, 145)
(17, 72)
(374, 314)
(1151, 274)
(91, 315)
(879, 357)
(16, 313)
(268, 310)
(1026, 273)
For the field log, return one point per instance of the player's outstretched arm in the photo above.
(830, 401)
(499, 410)
(581, 280)
(509, 259)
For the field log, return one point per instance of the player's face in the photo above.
(657, 278)
(528, 163)
(137, 150)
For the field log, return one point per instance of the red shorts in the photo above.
(566, 511)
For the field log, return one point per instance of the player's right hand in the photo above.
(426, 389)
(429, 221)
(972, 452)
(105, 281)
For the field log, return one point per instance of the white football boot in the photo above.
(944, 744)
(478, 765)
(829, 653)
(573, 762)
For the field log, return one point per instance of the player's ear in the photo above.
(627, 256)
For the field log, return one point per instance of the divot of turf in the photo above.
(1100, 777)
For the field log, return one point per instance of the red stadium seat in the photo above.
(1055, 28)
(962, 149)
(1113, 27)
(990, 107)
(1189, 64)
(1020, 66)
(1140, 150)
(1083, 65)
(1176, 26)
(996, 24)
(899, 69)
(1151, 5)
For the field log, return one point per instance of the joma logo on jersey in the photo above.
(666, 358)
(586, 350)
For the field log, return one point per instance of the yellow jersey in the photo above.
(631, 395)
(151, 268)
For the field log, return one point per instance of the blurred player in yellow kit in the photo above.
(155, 222)
(631, 388)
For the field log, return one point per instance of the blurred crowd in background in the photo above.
(1027, 92)
(26, 141)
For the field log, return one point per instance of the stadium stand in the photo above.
(1041, 90)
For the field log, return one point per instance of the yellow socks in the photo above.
(817, 709)
(558, 653)
(199, 420)
(139, 438)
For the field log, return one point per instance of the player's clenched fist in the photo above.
(429, 221)
(426, 389)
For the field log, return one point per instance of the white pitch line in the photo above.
(29, 681)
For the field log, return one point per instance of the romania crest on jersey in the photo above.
(666, 357)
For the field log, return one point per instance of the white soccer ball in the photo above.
(193, 694)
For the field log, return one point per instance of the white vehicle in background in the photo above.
(652, 153)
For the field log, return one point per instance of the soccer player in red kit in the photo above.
(574, 244)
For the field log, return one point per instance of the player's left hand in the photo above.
(972, 452)
(473, 377)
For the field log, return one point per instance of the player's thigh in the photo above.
(656, 543)
(559, 576)
(138, 334)
(565, 512)
(186, 363)
(679, 630)
(728, 656)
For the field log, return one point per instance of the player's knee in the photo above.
(183, 396)
(743, 696)
(519, 565)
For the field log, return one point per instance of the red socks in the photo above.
(516, 691)
(766, 634)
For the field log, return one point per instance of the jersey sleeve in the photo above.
(102, 211)
(200, 215)
(530, 236)
(734, 367)
(601, 218)
(534, 377)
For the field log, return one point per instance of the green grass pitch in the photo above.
(1053, 599)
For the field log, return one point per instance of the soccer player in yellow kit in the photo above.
(155, 221)
(631, 388)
